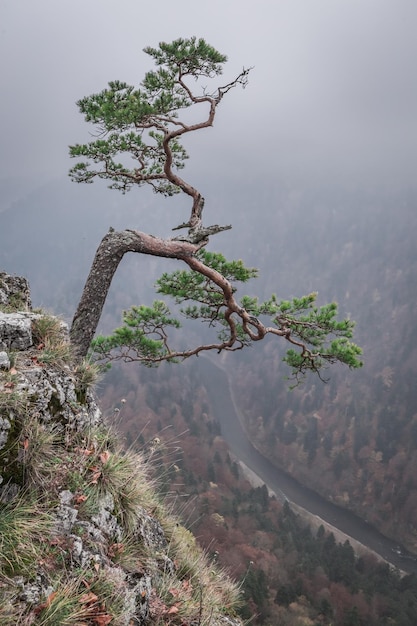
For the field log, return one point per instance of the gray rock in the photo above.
(14, 291)
(34, 591)
(151, 531)
(48, 394)
(16, 330)
(65, 497)
(142, 592)
(65, 514)
(105, 521)
(4, 361)
(4, 431)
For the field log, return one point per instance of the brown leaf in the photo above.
(95, 478)
(88, 598)
(116, 548)
(96, 474)
(173, 610)
(80, 498)
(104, 456)
(85, 451)
(45, 604)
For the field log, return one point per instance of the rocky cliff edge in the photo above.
(85, 539)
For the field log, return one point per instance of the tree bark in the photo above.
(110, 252)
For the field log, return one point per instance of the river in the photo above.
(282, 484)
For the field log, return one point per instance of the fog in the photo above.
(318, 152)
(332, 96)
(314, 164)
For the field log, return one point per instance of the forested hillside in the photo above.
(353, 439)
(289, 571)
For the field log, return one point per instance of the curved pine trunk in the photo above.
(109, 253)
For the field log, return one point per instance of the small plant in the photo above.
(129, 553)
(198, 591)
(47, 328)
(12, 400)
(23, 527)
(87, 376)
(12, 354)
(89, 598)
(8, 614)
(55, 354)
(69, 604)
(50, 340)
(40, 446)
(15, 302)
(122, 475)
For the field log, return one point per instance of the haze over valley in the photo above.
(314, 166)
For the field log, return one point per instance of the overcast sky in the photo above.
(333, 93)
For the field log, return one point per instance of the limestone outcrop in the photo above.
(83, 534)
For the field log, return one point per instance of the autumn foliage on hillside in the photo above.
(287, 571)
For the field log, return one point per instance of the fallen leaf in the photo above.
(45, 604)
(95, 478)
(173, 610)
(116, 548)
(104, 456)
(88, 598)
(80, 498)
(50, 598)
(86, 452)
(96, 474)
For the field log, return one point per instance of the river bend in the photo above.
(282, 484)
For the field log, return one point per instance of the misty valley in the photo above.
(352, 439)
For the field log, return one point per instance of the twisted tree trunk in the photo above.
(110, 252)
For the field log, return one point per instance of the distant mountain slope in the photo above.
(354, 439)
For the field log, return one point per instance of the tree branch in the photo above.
(109, 254)
(142, 124)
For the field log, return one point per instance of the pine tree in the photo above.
(139, 133)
